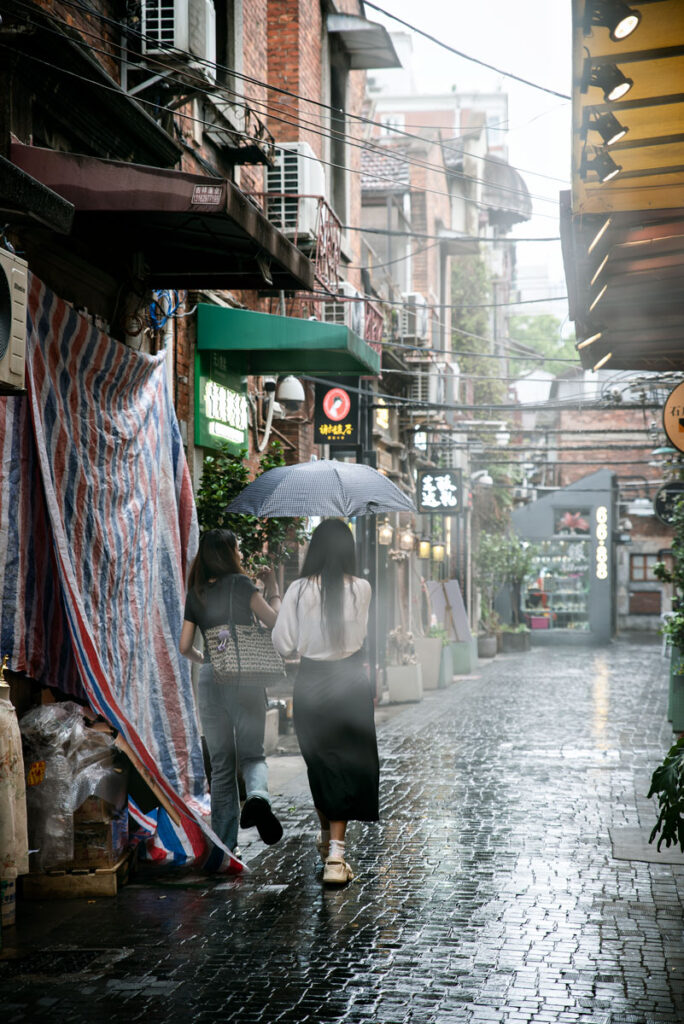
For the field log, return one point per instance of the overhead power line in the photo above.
(466, 56)
(152, 59)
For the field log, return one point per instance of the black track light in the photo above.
(602, 163)
(614, 15)
(608, 127)
(607, 77)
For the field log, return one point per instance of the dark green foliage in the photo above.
(262, 541)
(667, 784)
(668, 778)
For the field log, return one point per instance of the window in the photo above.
(392, 122)
(641, 568)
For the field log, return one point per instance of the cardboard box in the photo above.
(94, 809)
(100, 844)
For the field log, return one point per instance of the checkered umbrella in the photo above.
(322, 488)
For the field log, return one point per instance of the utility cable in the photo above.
(465, 56)
(129, 30)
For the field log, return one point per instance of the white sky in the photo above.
(530, 38)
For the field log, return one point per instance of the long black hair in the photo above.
(331, 557)
(217, 556)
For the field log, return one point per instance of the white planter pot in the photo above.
(429, 657)
(404, 683)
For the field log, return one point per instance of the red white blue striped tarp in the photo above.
(97, 522)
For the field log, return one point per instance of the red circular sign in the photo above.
(336, 404)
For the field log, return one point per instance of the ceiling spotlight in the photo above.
(602, 163)
(607, 77)
(608, 127)
(616, 16)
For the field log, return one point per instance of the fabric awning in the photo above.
(194, 231)
(367, 43)
(25, 200)
(264, 343)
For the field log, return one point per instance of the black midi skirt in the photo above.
(333, 717)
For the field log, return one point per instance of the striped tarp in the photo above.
(97, 521)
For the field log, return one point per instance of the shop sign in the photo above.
(439, 490)
(221, 410)
(336, 416)
(673, 417)
(666, 499)
(601, 543)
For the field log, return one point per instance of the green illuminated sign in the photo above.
(221, 411)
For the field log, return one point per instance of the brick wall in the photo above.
(628, 463)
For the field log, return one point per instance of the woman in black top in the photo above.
(232, 717)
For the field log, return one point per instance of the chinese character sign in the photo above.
(222, 415)
(336, 418)
(439, 490)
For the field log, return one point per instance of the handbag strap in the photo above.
(231, 623)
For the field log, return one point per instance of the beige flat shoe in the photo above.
(337, 872)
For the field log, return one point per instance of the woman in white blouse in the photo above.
(323, 618)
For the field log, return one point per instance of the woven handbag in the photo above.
(243, 654)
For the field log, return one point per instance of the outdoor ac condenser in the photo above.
(296, 171)
(13, 297)
(188, 26)
(414, 317)
(351, 314)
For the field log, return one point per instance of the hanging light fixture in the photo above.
(424, 548)
(598, 298)
(438, 552)
(608, 127)
(598, 270)
(406, 540)
(607, 77)
(616, 16)
(385, 533)
(602, 163)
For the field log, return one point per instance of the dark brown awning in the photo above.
(194, 231)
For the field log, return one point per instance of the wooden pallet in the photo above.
(78, 883)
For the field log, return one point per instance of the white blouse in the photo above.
(299, 630)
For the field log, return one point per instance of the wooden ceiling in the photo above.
(627, 290)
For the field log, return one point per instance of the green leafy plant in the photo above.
(489, 573)
(674, 627)
(262, 541)
(520, 561)
(667, 784)
(439, 633)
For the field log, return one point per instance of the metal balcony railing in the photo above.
(312, 225)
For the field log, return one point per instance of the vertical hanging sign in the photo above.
(336, 417)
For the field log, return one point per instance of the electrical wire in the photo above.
(465, 56)
(251, 101)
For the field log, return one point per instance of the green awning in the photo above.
(263, 343)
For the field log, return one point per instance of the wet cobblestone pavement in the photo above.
(488, 893)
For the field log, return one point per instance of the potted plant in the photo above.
(489, 574)
(446, 663)
(404, 674)
(519, 559)
(515, 638)
(429, 655)
(667, 784)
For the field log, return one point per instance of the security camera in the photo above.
(291, 394)
(270, 384)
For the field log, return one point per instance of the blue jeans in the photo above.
(233, 720)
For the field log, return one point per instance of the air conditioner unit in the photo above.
(185, 25)
(351, 314)
(424, 386)
(296, 171)
(13, 296)
(414, 317)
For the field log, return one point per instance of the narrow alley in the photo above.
(495, 889)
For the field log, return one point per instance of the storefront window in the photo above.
(641, 568)
(556, 593)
